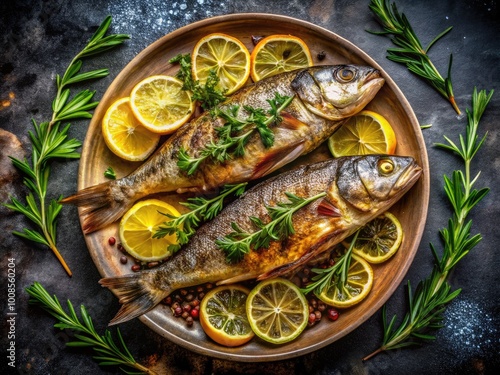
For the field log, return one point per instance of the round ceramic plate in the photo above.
(390, 102)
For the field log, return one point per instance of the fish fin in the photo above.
(136, 295)
(327, 208)
(282, 270)
(101, 208)
(237, 279)
(278, 158)
(289, 122)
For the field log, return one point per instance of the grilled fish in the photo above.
(357, 190)
(323, 97)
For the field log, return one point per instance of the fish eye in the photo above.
(345, 74)
(385, 166)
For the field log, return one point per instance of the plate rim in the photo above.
(270, 355)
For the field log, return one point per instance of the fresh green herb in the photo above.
(410, 51)
(202, 209)
(428, 302)
(235, 133)
(109, 353)
(208, 94)
(238, 243)
(49, 141)
(110, 173)
(336, 274)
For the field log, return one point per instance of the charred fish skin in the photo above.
(376, 182)
(323, 97)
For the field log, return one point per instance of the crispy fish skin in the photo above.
(357, 190)
(324, 96)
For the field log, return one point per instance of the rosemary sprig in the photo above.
(337, 273)
(238, 243)
(235, 133)
(208, 94)
(49, 141)
(431, 296)
(202, 209)
(410, 51)
(108, 352)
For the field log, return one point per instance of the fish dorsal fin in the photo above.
(278, 158)
(327, 208)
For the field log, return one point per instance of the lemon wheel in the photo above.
(124, 135)
(278, 54)
(160, 104)
(380, 239)
(357, 286)
(138, 226)
(223, 316)
(365, 133)
(277, 310)
(225, 55)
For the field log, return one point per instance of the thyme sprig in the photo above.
(202, 209)
(432, 294)
(49, 141)
(236, 132)
(208, 94)
(238, 243)
(410, 51)
(108, 352)
(335, 274)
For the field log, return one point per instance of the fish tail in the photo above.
(136, 294)
(101, 207)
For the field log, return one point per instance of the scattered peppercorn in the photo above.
(321, 55)
(136, 267)
(123, 259)
(332, 314)
(111, 241)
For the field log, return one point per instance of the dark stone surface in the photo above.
(39, 38)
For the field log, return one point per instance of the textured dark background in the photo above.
(39, 38)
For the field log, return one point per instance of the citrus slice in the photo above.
(379, 239)
(277, 310)
(223, 315)
(277, 54)
(160, 103)
(138, 226)
(224, 54)
(358, 284)
(124, 135)
(365, 133)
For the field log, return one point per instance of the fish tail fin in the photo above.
(136, 294)
(101, 208)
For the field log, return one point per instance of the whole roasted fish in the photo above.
(322, 97)
(357, 190)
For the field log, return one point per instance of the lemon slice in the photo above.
(223, 315)
(379, 239)
(138, 226)
(277, 54)
(224, 54)
(160, 103)
(358, 284)
(124, 135)
(277, 310)
(365, 133)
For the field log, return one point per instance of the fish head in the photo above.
(374, 182)
(337, 91)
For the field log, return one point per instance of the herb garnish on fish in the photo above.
(238, 243)
(231, 141)
(202, 209)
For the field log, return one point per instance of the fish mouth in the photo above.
(373, 82)
(408, 177)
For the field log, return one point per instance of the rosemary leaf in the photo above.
(86, 335)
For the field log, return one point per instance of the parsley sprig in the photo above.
(410, 51)
(335, 274)
(236, 132)
(238, 243)
(50, 141)
(208, 94)
(202, 209)
(428, 302)
(108, 352)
